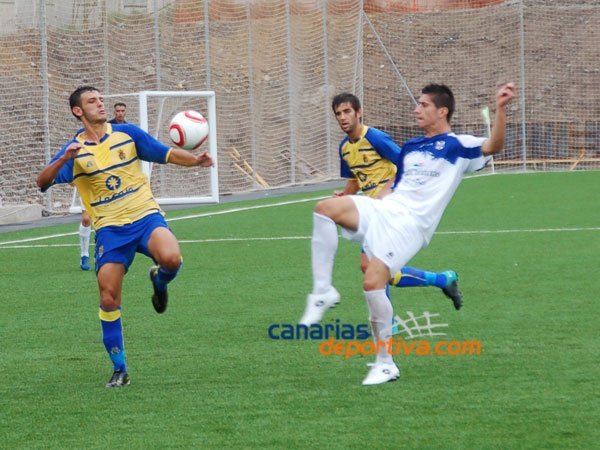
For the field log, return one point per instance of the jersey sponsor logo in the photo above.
(416, 171)
(118, 195)
(420, 172)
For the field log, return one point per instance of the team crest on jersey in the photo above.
(122, 155)
(113, 183)
(89, 164)
(439, 145)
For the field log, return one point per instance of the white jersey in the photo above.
(432, 168)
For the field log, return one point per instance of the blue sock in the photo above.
(112, 337)
(165, 276)
(412, 277)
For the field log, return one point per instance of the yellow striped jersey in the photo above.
(108, 175)
(371, 160)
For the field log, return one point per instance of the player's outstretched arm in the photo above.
(49, 173)
(184, 158)
(495, 143)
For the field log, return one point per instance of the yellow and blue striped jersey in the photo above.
(108, 175)
(371, 160)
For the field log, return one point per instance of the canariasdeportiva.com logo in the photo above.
(348, 340)
(332, 330)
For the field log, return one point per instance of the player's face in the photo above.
(120, 113)
(348, 118)
(427, 114)
(92, 107)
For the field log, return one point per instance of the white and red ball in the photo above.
(188, 129)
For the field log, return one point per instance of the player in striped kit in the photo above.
(102, 161)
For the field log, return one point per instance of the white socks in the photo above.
(380, 314)
(84, 239)
(324, 245)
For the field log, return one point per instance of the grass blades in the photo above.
(206, 375)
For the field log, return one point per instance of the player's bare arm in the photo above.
(350, 189)
(48, 174)
(496, 141)
(184, 158)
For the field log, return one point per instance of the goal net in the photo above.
(275, 65)
(549, 49)
(152, 111)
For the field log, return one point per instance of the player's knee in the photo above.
(373, 283)
(334, 208)
(171, 262)
(108, 301)
(369, 285)
(323, 207)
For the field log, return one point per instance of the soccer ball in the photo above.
(188, 130)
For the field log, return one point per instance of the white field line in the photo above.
(174, 219)
(525, 230)
(23, 243)
(296, 238)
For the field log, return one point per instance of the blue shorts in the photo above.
(119, 243)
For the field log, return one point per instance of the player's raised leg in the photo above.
(327, 215)
(164, 249)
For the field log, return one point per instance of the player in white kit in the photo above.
(393, 229)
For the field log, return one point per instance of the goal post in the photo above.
(152, 112)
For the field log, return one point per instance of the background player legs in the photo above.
(85, 230)
(447, 281)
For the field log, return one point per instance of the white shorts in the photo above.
(387, 231)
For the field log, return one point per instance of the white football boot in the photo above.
(381, 373)
(317, 304)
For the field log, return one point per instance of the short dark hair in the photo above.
(345, 97)
(441, 96)
(75, 97)
(120, 104)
